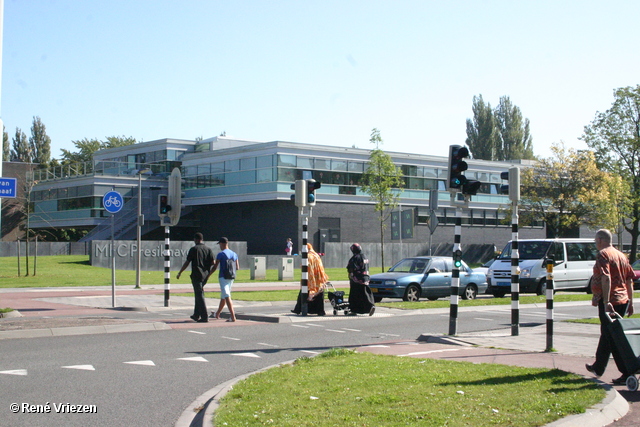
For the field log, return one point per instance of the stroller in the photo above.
(625, 334)
(337, 300)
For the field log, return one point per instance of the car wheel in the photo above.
(499, 294)
(412, 293)
(470, 292)
(432, 298)
(542, 288)
(588, 288)
(377, 299)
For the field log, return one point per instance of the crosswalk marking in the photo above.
(142, 362)
(15, 372)
(198, 332)
(81, 367)
(246, 355)
(193, 359)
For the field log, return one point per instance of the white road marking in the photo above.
(142, 362)
(352, 330)
(300, 326)
(81, 367)
(15, 372)
(335, 330)
(230, 338)
(246, 355)
(193, 359)
(268, 345)
(198, 332)
(376, 346)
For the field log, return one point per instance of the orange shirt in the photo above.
(613, 263)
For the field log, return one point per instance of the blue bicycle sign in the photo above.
(112, 202)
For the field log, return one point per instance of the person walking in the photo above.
(226, 277)
(289, 248)
(360, 295)
(201, 259)
(612, 287)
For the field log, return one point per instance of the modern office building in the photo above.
(242, 190)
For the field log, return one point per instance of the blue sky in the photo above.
(323, 72)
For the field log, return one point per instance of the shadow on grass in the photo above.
(85, 262)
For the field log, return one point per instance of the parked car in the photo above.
(484, 268)
(425, 277)
(636, 269)
(573, 266)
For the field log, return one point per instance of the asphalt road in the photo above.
(149, 378)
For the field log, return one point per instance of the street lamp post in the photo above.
(139, 229)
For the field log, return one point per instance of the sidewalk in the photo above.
(64, 311)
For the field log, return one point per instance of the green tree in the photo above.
(6, 148)
(86, 147)
(482, 133)
(21, 151)
(381, 181)
(515, 140)
(40, 143)
(614, 135)
(566, 190)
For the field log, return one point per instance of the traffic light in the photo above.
(455, 178)
(175, 196)
(457, 258)
(312, 186)
(163, 205)
(513, 188)
(471, 187)
(300, 196)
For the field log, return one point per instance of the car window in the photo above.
(636, 265)
(527, 250)
(448, 263)
(558, 253)
(439, 265)
(407, 265)
(419, 266)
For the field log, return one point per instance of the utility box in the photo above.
(286, 272)
(259, 268)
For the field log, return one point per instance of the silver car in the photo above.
(426, 277)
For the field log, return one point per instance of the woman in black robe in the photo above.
(360, 295)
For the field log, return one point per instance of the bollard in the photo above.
(549, 292)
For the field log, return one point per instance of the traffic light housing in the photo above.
(312, 186)
(457, 258)
(163, 205)
(471, 187)
(175, 196)
(300, 195)
(455, 178)
(513, 188)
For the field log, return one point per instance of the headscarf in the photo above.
(315, 272)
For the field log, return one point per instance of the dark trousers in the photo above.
(606, 347)
(200, 309)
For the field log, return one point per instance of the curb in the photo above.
(83, 330)
(9, 314)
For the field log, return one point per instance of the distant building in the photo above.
(12, 215)
(242, 190)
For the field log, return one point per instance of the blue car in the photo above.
(426, 277)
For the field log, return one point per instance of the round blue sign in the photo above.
(112, 202)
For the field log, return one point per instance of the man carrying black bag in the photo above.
(612, 287)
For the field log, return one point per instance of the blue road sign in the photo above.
(112, 202)
(8, 187)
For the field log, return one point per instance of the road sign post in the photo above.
(112, 202)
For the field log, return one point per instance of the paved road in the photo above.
(150, 377)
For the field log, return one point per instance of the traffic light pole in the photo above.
(167, 265)
(304, 266)
(515, 273)
(455, 275)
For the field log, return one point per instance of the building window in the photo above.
(287, 160)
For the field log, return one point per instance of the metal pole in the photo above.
(18, 240)
(455, 277)
(550, 265)
(304, 288)
(515, 274)
(35, 256)
(113, 263)
(139, 231)
(167, 265)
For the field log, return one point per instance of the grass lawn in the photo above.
(75, 270)
(344, 388)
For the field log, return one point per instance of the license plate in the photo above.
(374, 290)
(503, 284)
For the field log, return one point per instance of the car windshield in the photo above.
(636, 265)
(410, 265)
(527, 250)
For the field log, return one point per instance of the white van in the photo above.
(573, 266)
